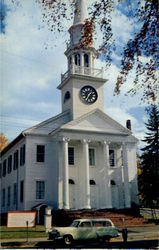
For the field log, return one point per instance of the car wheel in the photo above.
(68, 240)
(107, 239)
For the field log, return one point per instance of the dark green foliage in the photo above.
(149, 177)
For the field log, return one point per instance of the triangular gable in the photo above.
(97, 121)
(48, 126)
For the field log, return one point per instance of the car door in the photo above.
(85, 230)
(103, 228)
(109, 229)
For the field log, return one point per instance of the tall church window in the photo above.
(67, 96)
(86, 60)
(71, 156)
(40, 153)
(91, 156)
(9, 164)
(70, 61)
(15, 193)
(77, 59)
(9, 194)
(16, 160)
(22, 155)
(40, 189)
(4, 168)
(21, 191)
(112, 158)
(3, 197)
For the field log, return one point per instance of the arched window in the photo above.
(77, 59)
(71, 181)
(86, 60)
(92, 182)
(67, 96)
(70, 61)
(112, 182)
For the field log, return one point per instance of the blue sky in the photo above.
(30, 73)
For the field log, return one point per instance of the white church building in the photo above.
(81, 158)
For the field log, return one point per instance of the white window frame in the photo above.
(112, 166)
(71, 165)
(37, 198)
(36, 147)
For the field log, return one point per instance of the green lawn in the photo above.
(17, 233)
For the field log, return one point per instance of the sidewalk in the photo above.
(21, 243)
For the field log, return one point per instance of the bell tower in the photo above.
(82, 85)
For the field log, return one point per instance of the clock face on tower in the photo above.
(88, 94)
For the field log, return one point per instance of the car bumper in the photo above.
(54, 235)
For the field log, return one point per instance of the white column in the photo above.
(82, 63)
(86, 174)
(106, 172)
(90, 63)
(73, 64)
(65, 173)
(126, 176)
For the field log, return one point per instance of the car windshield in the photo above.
(74, 224)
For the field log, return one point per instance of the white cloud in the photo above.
(121, 116)
(122, 27)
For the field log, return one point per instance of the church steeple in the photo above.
(80, 12)
(80, 17)
(82, 85)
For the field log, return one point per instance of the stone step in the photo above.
(118, 218)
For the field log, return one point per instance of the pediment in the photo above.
(96, 121)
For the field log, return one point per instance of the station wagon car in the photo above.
(85, 229)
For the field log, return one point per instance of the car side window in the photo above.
(85, 224)
(107, 224)
(75, 224)
(98, 223)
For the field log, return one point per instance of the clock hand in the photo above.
(88, 95)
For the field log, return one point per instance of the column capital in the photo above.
(105, 142)
(65, 139)
(124, 146)
(85, 141)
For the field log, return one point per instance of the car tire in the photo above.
(68, 240)
(104, 239)
(107, 238)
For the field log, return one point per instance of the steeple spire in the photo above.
(80, 12)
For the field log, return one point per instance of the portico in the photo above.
(101, 174)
